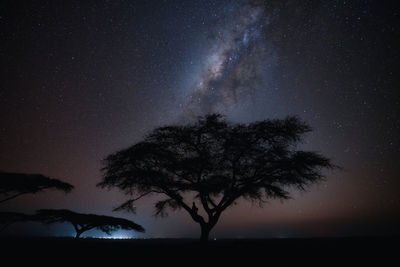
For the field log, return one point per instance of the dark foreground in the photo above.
(378, 251)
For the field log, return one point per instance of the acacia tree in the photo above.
(13, 185)
(86, 222)
(8, 218)
(213, 163)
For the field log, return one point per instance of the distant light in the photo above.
(116, 237)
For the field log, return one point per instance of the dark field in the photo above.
(375, 251)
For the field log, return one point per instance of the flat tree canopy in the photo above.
(212, 163)
(11, 217)
(13, 185)
(7, 218)
(85, 222)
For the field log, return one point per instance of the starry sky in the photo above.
(83, 79)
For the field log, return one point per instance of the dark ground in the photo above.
(374, 251)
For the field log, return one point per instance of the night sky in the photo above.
(83, 79)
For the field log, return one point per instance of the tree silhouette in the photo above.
(85, 222)
(7, 218)
(13, 185)
(214, 163)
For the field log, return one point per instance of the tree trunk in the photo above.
(205, 232)
(78, 234)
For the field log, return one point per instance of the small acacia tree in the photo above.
(214, 163)
(8, 218)
(86, 222)
(13, 185)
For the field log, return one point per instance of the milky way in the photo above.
(231, 66)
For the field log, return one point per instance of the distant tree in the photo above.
(13, 185)
(212, 163)
(86, 222)
(7, 218)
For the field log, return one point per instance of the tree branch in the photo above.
(204, 202)
(12, 197)
(128, 205)
(179, 199)
(211, 201)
